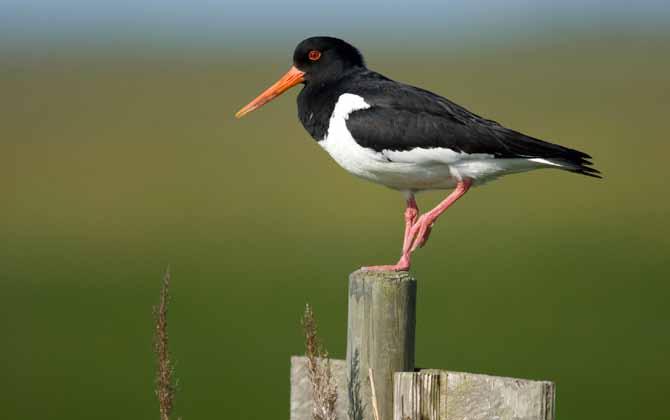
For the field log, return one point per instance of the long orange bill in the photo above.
(290, 79)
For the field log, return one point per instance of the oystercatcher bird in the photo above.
(405, 137)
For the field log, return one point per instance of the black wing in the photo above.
(403, 117)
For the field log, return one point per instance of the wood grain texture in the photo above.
(419, 396)
(380, 335)
(433, 394)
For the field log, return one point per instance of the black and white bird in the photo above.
(405, 137)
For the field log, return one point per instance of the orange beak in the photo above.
(290, 79)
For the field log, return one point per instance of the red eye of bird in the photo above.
(314, 55)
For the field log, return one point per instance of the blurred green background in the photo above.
(119, 159)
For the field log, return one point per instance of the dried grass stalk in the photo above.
(375, 409)
(324, 390)
(165, 387)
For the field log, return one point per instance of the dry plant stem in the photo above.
(165, 389)
(375, 410)
(324, 390)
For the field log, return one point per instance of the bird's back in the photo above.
(404, 117)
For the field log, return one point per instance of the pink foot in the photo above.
(402, 265)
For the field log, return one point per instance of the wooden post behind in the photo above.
(437, 395)
(380, 336)
(441, 395)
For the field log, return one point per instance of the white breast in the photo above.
(342, 147)
(411, 170)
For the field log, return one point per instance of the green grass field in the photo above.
(116, 165)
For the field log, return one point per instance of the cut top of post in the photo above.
(363, 276)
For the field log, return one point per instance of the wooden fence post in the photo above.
(380, 336)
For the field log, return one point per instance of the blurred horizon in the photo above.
(267, 24)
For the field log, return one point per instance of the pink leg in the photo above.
(411, 213)
(421, 229)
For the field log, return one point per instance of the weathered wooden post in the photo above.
(380, 339)
(433, 394)
(380, 336)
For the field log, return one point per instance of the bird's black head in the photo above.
(316, 59)
(324, 58)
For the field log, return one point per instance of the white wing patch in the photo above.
(546, 162)
(437, 155)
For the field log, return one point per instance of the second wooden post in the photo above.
(380, 336)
